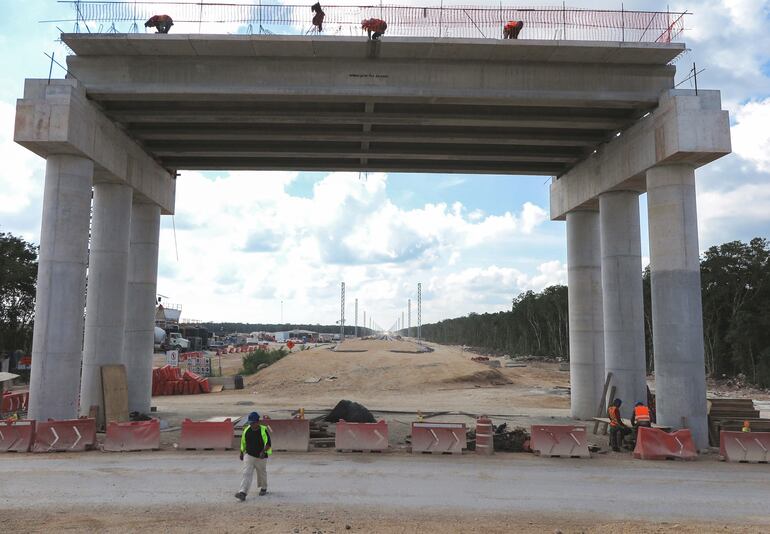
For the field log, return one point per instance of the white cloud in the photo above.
(751, 133)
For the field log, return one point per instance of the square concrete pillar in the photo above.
(57, 340)
(140, 304)
(586, 320)
(623, 304)
(677, 313)
(106, 294)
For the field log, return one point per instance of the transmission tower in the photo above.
(342, 312)
(419, 312)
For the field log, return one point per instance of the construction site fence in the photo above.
(542, 23)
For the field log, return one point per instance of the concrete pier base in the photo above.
(586, 322)
(57, 340)
(106, 293)
(677, 315)
(140, 305)
(623, 304)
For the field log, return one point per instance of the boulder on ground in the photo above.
(350, 411)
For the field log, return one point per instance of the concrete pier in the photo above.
(623, 304)
(57, 342)
(586, 322)
(140, 304)
(106, 293)
(677, 315)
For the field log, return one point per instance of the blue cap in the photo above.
(253, 417)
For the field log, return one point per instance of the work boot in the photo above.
(240, 496)
(263, 491)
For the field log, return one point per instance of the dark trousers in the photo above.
(164, 27)
(617, 433)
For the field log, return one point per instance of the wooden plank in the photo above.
(602, 405)
(115, 391)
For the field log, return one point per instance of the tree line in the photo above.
(735, 281)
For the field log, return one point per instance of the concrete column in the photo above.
(57, 340)
(623, 304)
(140, 305)
(106, 292)
(677, 314)
(586, 321)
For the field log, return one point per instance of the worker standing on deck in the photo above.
(618, 429)
(162, 23)
(512, 29)
(374, 28)
(255, 448)
(318, 18)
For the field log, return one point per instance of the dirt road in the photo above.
(193, 492)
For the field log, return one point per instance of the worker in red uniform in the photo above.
(374, 27)
(618, 429)
(512, 29)
(318, 18)
(162, 23)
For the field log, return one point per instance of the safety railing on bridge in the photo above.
(547, 23)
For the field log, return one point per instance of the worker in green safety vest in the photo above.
(255, 448)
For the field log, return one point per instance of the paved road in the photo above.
(610, 488)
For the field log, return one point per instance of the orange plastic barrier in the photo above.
(364, 437)
(439, 437)
(74, 435)
(16, 436)
(751, 447)
(288, 434)
(206, 434)
(133, 436)
(560, 440)
(654, 444)
(14, 402)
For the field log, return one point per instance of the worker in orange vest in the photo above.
(318, 18)
(641, 416)
(618, 429)
(512, 29)
(374, 28)
(162, 23)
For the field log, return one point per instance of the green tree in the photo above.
(18, 274)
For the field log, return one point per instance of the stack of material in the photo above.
(515, 440)
(169, 380)
(319, 435)
(729, 414)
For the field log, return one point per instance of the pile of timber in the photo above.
(729, 414)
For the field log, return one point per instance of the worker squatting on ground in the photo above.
(255, 449)
(318, 18)
(374, 28)
(162, 23)
(618, 429)
(512, 29)
(641, 416)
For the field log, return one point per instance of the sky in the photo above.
(274, 246)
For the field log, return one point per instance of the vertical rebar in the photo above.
(342, 312)
(419, 312)
(623, 22)
(364, 319)
(409, 318)
(355, 330)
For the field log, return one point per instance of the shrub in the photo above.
(254, 359)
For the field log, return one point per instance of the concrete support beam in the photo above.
(623, 304)
(57, 340)
(685, 128)
(140, 304)
(586, 321)
(106, 294)
(677, 314)
(56, 118)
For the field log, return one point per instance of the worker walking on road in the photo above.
(162, 23)
(255, 448)
(618, 429)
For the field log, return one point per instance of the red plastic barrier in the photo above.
(74, 435)
(16, 436)
(133, 436)
(560, 440)
(361, 436)
(14, 402)
(206, 435)
(751, 447)
(654, 444)
(439, 437)
(289, 434)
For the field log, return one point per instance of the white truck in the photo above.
(175, 341)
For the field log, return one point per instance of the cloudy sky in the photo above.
(245, 241)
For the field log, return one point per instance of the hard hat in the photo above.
(253, 417)
(617, 402)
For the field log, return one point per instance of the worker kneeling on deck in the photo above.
(255, 448)
(512, 29)
(374, 28)
(162, 23)
(618, 429)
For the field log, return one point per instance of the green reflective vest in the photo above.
(263, 429)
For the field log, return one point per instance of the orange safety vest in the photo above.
(513, 24)
(375, 25)
(614, 414)
(641, 414)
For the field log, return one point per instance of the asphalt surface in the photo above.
(605, 487)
